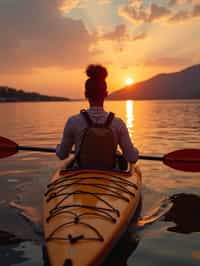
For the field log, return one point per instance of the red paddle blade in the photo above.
(186, 160)
(7, 147)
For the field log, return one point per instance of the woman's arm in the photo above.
(130, 153)
(64, 148)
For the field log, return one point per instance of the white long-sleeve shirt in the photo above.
(75, 126)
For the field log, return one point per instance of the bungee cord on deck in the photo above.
(111, 186)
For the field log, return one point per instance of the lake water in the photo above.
(165, 235)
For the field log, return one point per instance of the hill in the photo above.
(179, 85)
(12, 95)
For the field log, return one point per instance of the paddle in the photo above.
(186, 160)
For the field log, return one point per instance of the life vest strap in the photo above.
(92, 124)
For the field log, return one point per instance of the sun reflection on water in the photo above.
(130, 117)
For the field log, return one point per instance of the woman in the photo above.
(77, 125)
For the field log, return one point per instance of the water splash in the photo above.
(33, 217)
(30, 213)
(155, 213)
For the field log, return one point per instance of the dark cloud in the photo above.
(144, 14)
(140, 36)
(184, 15)
(180, 16)
(172, 2)
(118, 33)
(196, 11)
(157, 12)
(174, 11)
(35, 34)
(132, 13)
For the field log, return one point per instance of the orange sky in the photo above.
(46, 45)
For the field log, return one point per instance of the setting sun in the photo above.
(129, 81)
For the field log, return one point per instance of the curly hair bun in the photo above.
(96, 72)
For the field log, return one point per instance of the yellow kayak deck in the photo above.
(86, 212)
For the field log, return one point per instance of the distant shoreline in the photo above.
(38, 101)
(108, 100)
(46, 101)
(8, 94)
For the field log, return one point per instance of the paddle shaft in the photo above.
(52, 150)
(141, 157)
(151, 158)
(28, 148)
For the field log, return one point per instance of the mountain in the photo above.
(179, 85)
(12, 95)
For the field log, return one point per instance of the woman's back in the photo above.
(95, 92)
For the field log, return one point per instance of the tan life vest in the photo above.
(97, 150)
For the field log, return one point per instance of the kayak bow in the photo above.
(86, 212)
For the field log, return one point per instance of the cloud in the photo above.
(103, 2)
(68, 5)
(117, 34)
(178, 2)
(137, 4)
(169, 61)
(140, 36)
(172, 2)
(120, 34)
(173, 11)
(131, 13)
(180, 16)
(157, 12)
(34, 34)
(196, 11)
(140, 13)
(184, 15)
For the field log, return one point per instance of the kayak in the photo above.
(86, 212)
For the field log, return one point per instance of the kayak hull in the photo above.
(86, 212)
